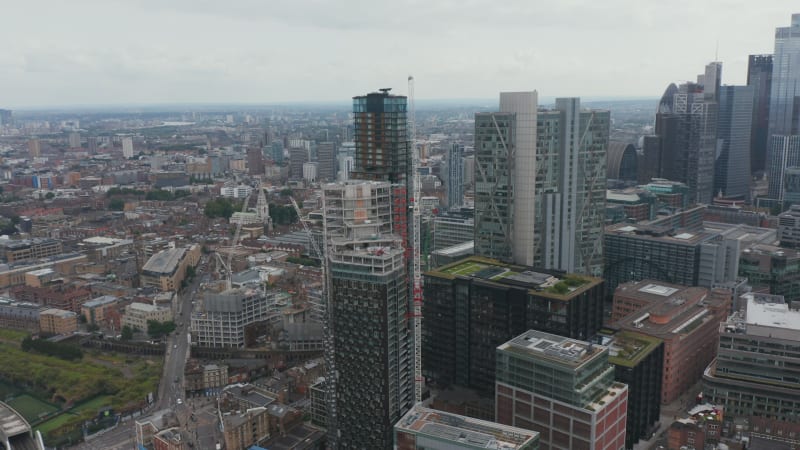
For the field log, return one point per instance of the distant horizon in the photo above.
(230, 106)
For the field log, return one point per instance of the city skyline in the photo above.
(199, 52)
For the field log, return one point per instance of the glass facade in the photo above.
(494, 184)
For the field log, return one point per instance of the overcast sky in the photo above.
(87, 52)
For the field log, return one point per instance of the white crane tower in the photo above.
(416, 266)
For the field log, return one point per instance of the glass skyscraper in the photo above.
(784, 107)
(732, 165)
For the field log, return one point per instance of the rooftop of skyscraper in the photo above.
(766, 314)
(541, 282)
(660, 233)
(464, 430)
(559, 349)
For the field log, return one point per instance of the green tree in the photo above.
(219, 207)
(127, 333)
(116, 204)
(157, 329)
(50, 196)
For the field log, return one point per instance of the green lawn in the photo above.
(94, 404)
(56, 422)
(31, 408)
(465, 269)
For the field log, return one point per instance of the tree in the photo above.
(157, 329)
(50, 196)
(116, 204)
(127, 333)
(219, 207)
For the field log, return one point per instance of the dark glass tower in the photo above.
(381, 138)
(685, 143)
(759, 77)
(732, 166)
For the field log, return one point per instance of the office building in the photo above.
(98, 310)
(638, 362)
(451, 230)
(732, 165)
(298, 156)
(562, 388)
(277, 151)
(688, 256)
(137, 315)
(789, 227)
(166, 270)
(685, 140)
(784, 117)
(685, 321)
(54, 321)
(476, 304)
(19, 315)
(454, 164)
(771, 269)
(759, 77)
(34, 148)
(310, 172)
(622, 164)
(18, 250)
(382, 150)
(429, 429)
(223, 318)
(91, 144)
(756, 371)
(494, 185)
(255, 161)
(374, 356)
(326, 161)
(74, 140)
(127, 147)
(550, 215)
(6, 117)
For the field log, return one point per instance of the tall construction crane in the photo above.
(416, 266)
(329, 351)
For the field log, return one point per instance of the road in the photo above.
(169, 391)
(177, 352)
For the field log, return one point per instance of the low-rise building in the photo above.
(428, 429)
(96, 310)
(245, 429)
(137, 315)
(19, 315)
(16, 250)
(58, 321)
(166, 270)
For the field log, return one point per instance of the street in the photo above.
(169, 391)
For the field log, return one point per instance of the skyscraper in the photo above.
(91, 144)
(540, 181)
(255, 161)
(784, 106)
(369, 297)
(74, 139)
(127, 147)
(759, 77)
(495, 140)
(455, 175)
(326, 159)
(34, 148)
(382, 147)
(685, 140)
(570, 188)
(732, 166)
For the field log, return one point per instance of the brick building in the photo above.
(686, 322)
